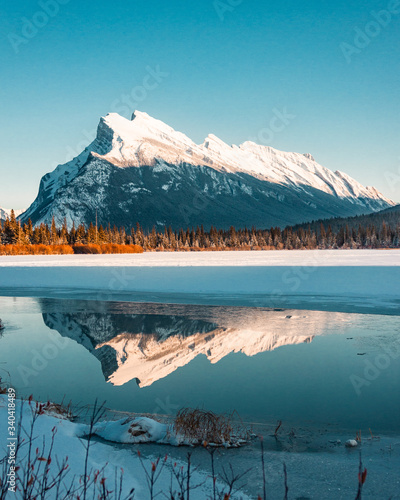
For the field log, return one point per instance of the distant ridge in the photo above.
(6, 212)
(390, 216)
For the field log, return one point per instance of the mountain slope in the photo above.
(144, 171)
(389, 216)
(394, 209)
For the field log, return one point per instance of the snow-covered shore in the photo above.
(105, 460)
(338, 280)
(273, 258)
(319, 466)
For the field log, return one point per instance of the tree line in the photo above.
(381, 235)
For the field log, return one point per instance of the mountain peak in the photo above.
(137, 113)
(141, 115)
(214, 142)
(142, 126)
(253, 147)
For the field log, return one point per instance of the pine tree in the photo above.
(81, 234)
(11, 231)
(64, 237)
(28, 230)
(91, 234)
(54, 233)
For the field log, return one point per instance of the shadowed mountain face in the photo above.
(143, 342)
(144, 171)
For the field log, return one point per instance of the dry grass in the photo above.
(205, 427)
(36, 250)
(109, 248)
(56, 410)
(86, 249)
(53, 409)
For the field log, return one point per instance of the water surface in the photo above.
(303, 367)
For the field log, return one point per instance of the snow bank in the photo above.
(147, 430)
(67, 443)
(135, 430)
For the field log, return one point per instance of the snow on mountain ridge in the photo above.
(140, 141)
(144, 139)
(158, 360)
(253, 174)
(149, 347)
(6, 212)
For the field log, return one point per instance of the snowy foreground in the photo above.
(331, 473)
(342, 280)
(105, 460)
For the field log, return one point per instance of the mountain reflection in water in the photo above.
(147, 342)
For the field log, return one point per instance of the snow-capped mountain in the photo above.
(3, 214)
(144, 171)
(150, 345)
(6, 212)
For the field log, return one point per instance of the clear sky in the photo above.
(226, 67)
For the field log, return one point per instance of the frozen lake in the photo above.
(364, 281)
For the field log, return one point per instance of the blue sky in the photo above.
(225, 67)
